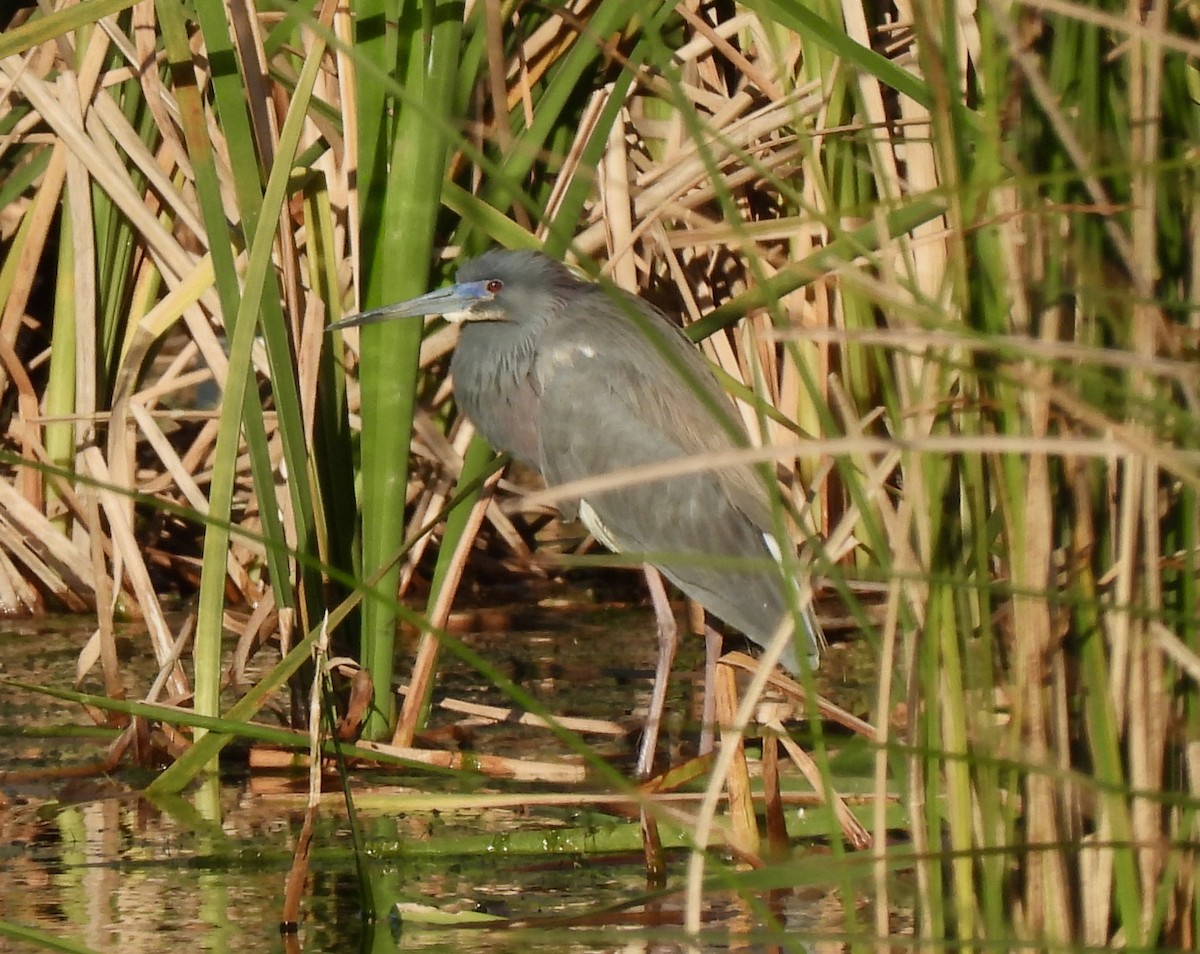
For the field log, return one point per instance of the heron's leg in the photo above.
(708, 714)
(668, 640)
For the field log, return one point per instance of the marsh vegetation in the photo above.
(944, 255)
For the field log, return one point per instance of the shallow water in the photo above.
(89, 860)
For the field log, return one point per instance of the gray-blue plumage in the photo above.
(577, 380)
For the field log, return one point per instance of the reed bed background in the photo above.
(945, 254)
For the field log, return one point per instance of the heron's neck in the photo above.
(492, 369)
(495, 354)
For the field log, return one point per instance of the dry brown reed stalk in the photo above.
(427, 647)
(856, 835)
(101, 144)
(90, 149)
(748, 148)
(483, 714)
(743, 826)
(495, 766)
(398, 799)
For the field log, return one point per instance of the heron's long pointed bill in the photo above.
(451, 301)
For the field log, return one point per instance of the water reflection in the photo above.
(90, 861)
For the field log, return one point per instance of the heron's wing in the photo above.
(621, 387)
(609, 400)
(616, 393)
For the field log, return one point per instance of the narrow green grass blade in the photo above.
(230, 98)
(400, 202)
(229, 88)
(227, 729)
(59, 437)
(476, 465)
(806, 22)
(208, 189)
(335, 512)
(43, 29)
(216, 542)
(203, 753)
(846, 248)
(41, 939)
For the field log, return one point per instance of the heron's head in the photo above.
(520, 287)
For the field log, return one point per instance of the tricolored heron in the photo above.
(578, 380)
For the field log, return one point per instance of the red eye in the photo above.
(495, 286)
